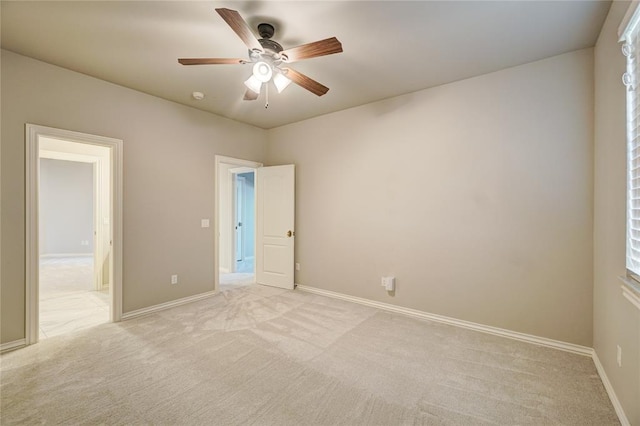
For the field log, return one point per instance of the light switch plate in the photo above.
(204, 223)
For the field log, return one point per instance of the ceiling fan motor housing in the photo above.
(266, 30)
(271, 46)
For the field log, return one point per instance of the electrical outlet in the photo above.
(389, 283)
(619, 356)
(174, 279)
(297, 266)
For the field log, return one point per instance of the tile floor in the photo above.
(67, 299)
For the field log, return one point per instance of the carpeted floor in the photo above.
(243, 276)
(68, 301)
(261, 356)
(236, 280)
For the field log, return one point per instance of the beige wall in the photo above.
(66, 216)
(616, 321)
(169, 161)
(476, 195)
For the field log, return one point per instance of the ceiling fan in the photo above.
(268, 57)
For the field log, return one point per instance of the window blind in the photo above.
(631, 49)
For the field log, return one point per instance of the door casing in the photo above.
(220, 161)
(33, 134)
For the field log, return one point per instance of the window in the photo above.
(630, 36)
(630, 79)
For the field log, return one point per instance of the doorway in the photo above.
(244, 221)
(235, 223)
(74, 211)
(74, 263)
(274, 216)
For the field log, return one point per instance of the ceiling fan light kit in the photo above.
(280, 81)
(267, 56)
(262, 71)
(253, 84)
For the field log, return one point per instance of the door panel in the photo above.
(275, 188)
(275, 258)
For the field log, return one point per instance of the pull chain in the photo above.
(266, 101)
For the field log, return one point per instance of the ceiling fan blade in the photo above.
(306, 82)
(211, 61)
(327, 46)
(237, 24)
(250, 95)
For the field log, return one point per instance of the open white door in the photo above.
(275, 209)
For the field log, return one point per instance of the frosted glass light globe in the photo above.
(262, 71)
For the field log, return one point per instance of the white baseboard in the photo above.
(612, 394)
(10, 346)
(542, 341)
(166, 305)
(54, 255)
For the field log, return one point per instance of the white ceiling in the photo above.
(390, 47)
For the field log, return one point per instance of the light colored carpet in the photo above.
(65, 275)
(235, 280)
(242, 277)
(67, 299)
(262, 356)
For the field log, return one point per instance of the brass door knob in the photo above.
(290, 233)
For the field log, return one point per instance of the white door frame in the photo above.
(219, 161)
(32, 134)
